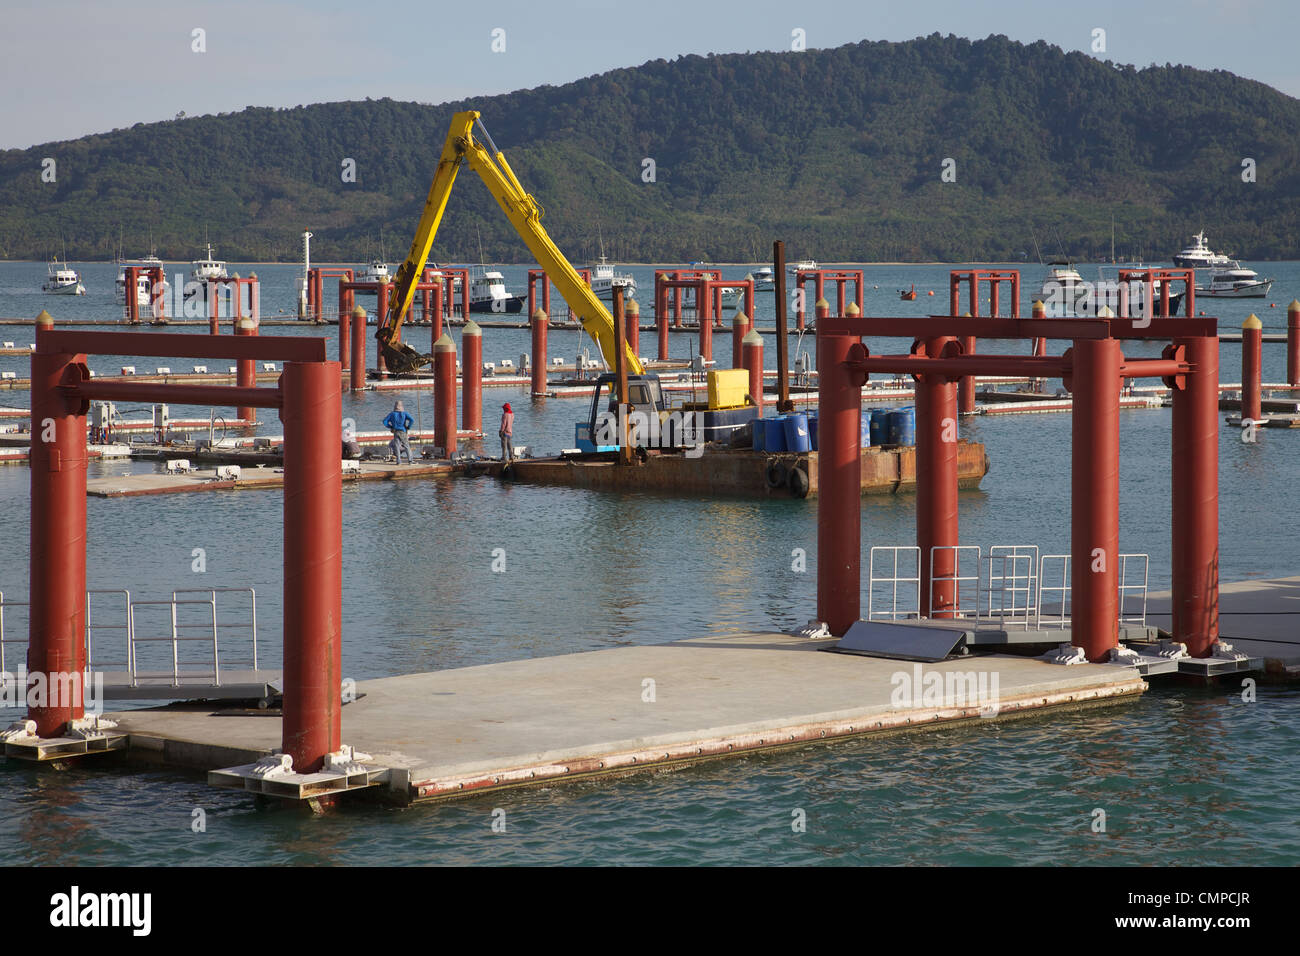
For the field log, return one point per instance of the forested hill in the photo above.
(840, 152)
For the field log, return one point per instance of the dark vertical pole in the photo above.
(782, 353)
(1195, 493)
(620, 369)
(839, 485)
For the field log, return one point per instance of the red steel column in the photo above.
(345, 329)
(632, 319)
(444, 393)
(966, 384)
(435, 330)
(954, 293)
(661, 320)
(57, 568)
(539, 321)
(705, 316)
(677, 302)
(381, 310)
(936, 486)
(739, 329)
(214, 319)
(839, 480)
(1252, 358)
(839, 295)
(752, 360)
(426, 305)
(245, 371)
(1094, 517)
(313, 563)
(1039, 311)
(1195, 493)
(995, 290)
(358, 348)
(471, 379)
(1293, 342)
(800, 316)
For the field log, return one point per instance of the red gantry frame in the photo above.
(1093, 368)
(309, 403)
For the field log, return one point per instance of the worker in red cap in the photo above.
(507, 433)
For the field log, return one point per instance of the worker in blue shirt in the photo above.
(399, 422)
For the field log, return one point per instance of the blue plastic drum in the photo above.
(902, 426)
(796, 433)
(774, 437)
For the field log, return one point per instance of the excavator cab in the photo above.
(600, 432)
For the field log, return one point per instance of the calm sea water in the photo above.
(1185, 776)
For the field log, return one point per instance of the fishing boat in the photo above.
(488, 293)
(1199, 256)
(1063, 289)
(1236, 283)
(803, 265)
(62, 280)
(763, 278)
(142, 299)
(376, 270)
(604, 280)
(908, 295)
(208, 268)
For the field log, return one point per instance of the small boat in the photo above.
(374, 271)
(201, 270)
(63, 281)
(1063, 290)
(604, 279)
(1199, 256)
(150, 261)
(803, 265)
(487, 293)
(1236, 283)
(763, 278)
(908, 295)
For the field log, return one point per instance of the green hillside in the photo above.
(838, 151)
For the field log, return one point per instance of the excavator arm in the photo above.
(524, 213)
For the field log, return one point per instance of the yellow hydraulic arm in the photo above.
(525, 215)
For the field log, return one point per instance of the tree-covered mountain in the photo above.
(839, 152)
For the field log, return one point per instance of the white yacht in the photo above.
(803, 265)
(763, 278)
(604, 279)
(1063, 290)
(376, 271)
(1199, 256)
(204, 269)
(487, 293)
(1236, 283)
(150, 261)
(63, 281)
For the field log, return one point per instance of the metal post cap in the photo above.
(358, 312)
(45, 320)
(852, 309)
(740, 319)
(1105, 312)
(630, 306)
(444, 344)
(752, 338)
(539, 314)
(471, 328)
(1252, 322)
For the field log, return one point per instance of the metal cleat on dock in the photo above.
(1145, 664)
(21, 731)
(274, 776)
(813, 630)
(1223, 659)
(1065, 654)
(83, 736)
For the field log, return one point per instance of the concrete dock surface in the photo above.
(1261, 618)
(628, 708)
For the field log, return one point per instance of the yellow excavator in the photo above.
(524, 213)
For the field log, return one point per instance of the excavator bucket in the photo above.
(401, 358)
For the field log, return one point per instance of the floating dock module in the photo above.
(475, 729)
(742, 473)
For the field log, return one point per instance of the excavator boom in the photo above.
(525, 215)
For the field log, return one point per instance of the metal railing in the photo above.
(911, 584)
(92, 625)
(4, 669)
(965, 599)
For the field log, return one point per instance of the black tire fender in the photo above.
(776, 473)
(798, 480)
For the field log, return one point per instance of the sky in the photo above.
(73, 67)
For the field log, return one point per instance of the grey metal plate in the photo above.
(908, 641)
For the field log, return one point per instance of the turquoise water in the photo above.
(1185, 776)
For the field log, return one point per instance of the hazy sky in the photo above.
(73, 67)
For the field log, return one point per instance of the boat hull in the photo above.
(510, 306)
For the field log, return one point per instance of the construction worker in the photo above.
(507, 433)
(399, 422)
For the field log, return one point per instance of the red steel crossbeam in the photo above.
(182, 345)
(957, 366)
(927, 327)
(95, 389)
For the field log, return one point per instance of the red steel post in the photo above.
(1293, 342)
(966, 384)
(57, 556)
(995, 289)
(358, 348)
(752, 359)
(345, 330)
(1252, 358)
(705, 317)
(677, 301)
(632, 319)
(381, 316)
(435, 330)
(739, 329)
(936, 487)
(444, 393)
(1094, 519)
(661, 321)
(1039, 311)
(539, 321)
(839, 494)
(245, 370)
(212, 295)
(839, 296)
(954, 293)
(471, 378)
(1195, 495)
(312, 722)
(800, 316)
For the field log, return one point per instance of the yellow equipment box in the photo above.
(727, 387)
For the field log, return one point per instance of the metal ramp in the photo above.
(185, 647)
(1006, 596)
